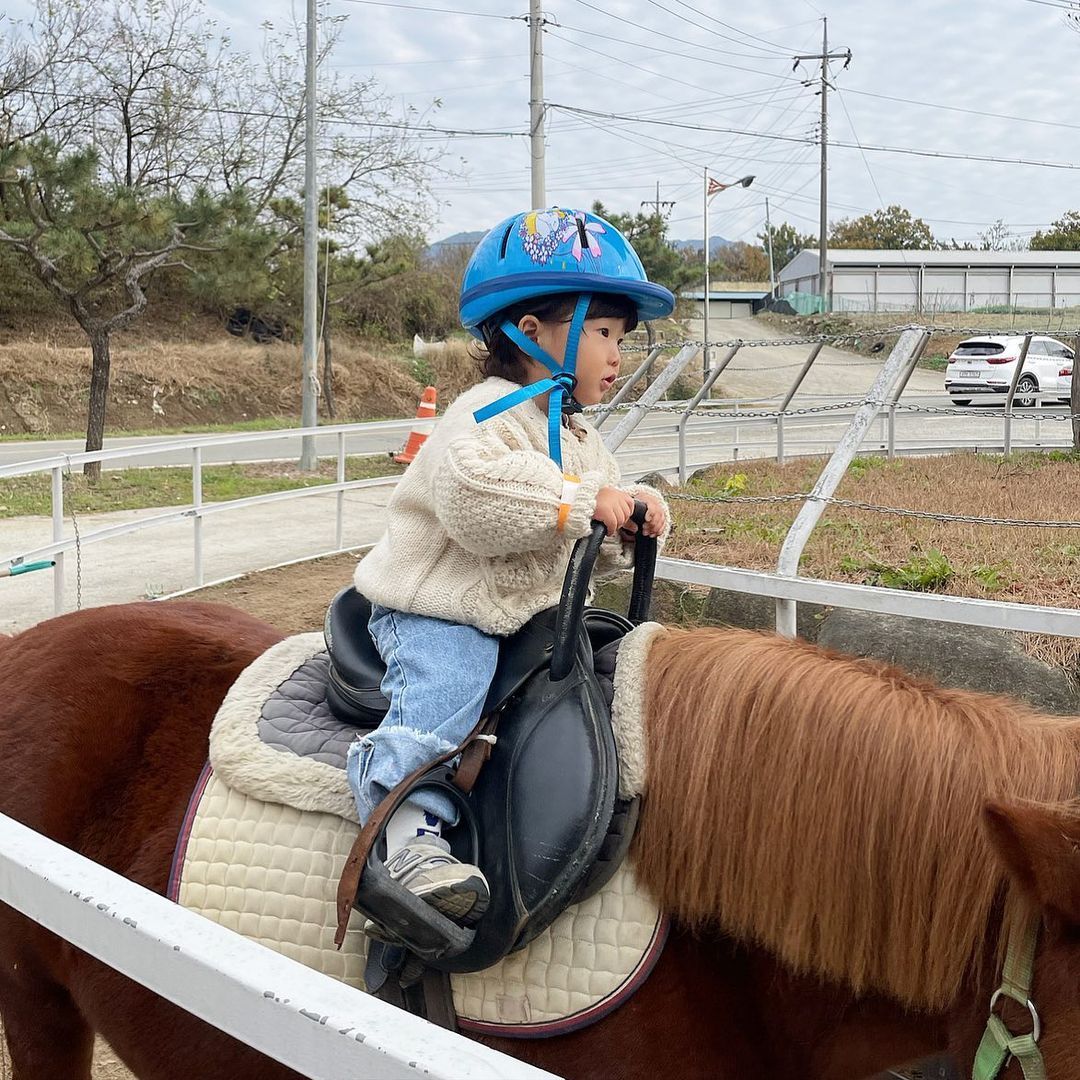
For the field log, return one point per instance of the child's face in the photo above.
(598, 357)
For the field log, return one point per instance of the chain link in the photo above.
(721, 410)
(853, 335)
(852, 504)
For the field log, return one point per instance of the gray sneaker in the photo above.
(427, 869)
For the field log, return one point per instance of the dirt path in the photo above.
(766, 371)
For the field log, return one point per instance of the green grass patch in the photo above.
(137, 489)
(933, 363)
(922, 573)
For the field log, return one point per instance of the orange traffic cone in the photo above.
(425, 421)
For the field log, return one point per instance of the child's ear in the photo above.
(529, 325)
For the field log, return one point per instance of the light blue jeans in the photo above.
(437, 677)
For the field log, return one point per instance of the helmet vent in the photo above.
(582, 233)
(506, 239)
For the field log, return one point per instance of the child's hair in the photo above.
(498, 355)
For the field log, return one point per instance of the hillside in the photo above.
(192, 373)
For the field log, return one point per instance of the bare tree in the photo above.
(132, 132)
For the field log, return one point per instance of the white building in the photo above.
(860, 280)
(728, 303)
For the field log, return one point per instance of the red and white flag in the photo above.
(714, 186)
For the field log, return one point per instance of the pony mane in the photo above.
(829, 809)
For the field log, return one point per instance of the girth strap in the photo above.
(999, 1045)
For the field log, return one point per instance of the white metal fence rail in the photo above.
(60, 465)
(316, 1025)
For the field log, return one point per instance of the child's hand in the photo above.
(613, 508)
(655, 516)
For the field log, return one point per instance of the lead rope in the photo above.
(999, 1045)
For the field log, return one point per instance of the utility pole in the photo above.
(308, 404)
(823, 242)
(658, 204)
(768, 237)
(705, 312)
(536, 102)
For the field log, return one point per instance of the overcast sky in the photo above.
(721, 64)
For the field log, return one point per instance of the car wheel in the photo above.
(961, 401)
(1027, 385)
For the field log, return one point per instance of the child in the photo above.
(480, 527)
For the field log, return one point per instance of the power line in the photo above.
(218, 110)
(671, 52)
(671, 37)
(778, 53)
(440, 10)
(403, 63)
(969, 112)
(786, 52)
(947, 154)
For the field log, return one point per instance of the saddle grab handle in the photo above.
(576, 588)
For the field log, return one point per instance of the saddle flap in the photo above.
(543, 803)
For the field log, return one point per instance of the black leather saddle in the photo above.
(543, 819)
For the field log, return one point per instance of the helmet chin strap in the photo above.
(560, 386)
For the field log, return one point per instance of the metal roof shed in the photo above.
(917, 280)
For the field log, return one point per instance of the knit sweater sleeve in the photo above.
(497, 499)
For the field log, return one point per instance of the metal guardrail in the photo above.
(799, 533)
(60, 464)
(310, 1022)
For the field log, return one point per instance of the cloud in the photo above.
(695, 63)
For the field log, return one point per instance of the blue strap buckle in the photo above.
(560, 386)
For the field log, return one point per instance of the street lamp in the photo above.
(711, 188)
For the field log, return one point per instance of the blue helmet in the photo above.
(546, 252)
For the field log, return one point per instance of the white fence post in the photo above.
(196, 503)
(833, 473)
(339, 528)
(58, 535)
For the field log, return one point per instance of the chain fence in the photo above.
(854, 504)
(875, 334)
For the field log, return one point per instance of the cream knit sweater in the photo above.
(471, 528)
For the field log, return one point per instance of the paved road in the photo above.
(157, 561)
(160, 560)
(376, 438)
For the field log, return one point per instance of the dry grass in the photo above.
(43, 385)
(1026, 565)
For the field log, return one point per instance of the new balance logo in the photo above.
(403, 860)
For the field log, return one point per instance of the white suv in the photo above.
(986, 365)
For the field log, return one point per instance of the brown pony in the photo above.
(842, 846)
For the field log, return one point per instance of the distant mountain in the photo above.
(471, 239)
(458, 240)
(716, 244)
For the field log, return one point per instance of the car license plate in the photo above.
(970, 374)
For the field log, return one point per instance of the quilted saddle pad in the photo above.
(263, 846)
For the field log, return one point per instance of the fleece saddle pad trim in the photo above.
(271, 822)
(269, 872)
